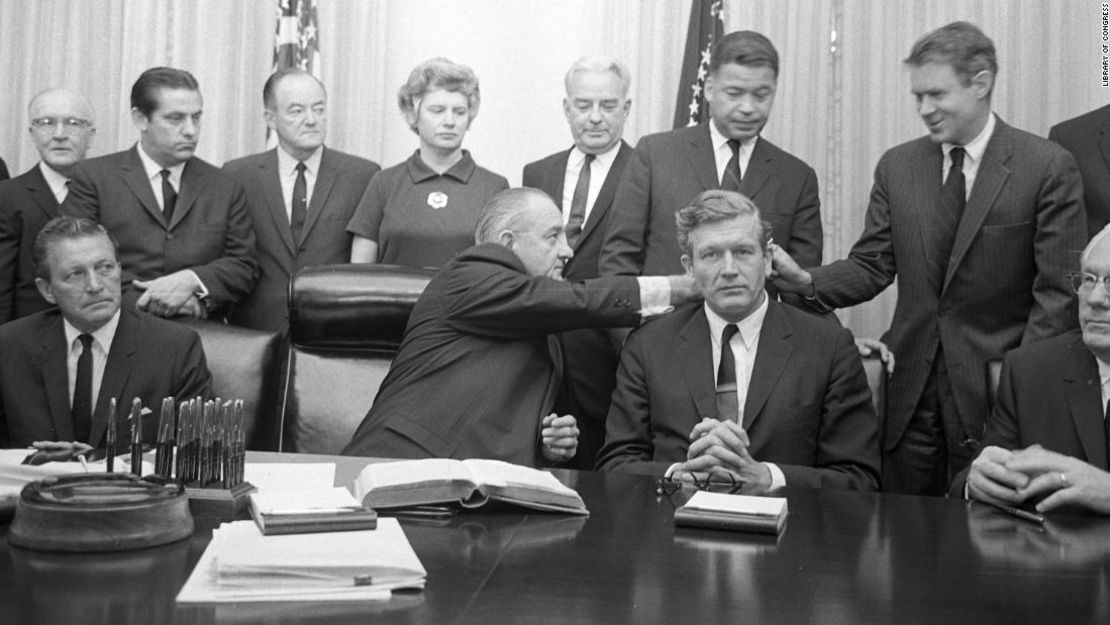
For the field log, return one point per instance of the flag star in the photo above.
(693, 108)
(705, 56)
(310, 31)
(701, 73)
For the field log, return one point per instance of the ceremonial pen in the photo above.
(1019, 513)
(137, 437)
(110, 445)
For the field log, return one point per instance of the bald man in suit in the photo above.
(300, 196)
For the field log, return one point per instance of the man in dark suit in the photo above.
(62, 127)
(184, 233)
(583, 181)
(476, 372)
(300, 196)
(1087, 137)
(741, 386)
(668, 169)
(980, 249)
(1048, 434)
(60, 367)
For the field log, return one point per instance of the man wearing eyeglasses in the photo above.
(61, 128)
(184, 233)
(1048, 438)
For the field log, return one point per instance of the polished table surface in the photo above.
(843, 558)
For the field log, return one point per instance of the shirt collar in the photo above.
(749, 326)
(977, 146)
(102, 335)
(287, 165)
(460, 171)
(154, 170)
(606, 158)
(54, 180)
(720, 140)
(1103, 372)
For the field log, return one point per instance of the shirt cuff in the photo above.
(202, 291)
(778, 480)
(655, 296)
(671, 469)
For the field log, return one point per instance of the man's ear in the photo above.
(506, 238)
(139, 119)
(687, 264)
(45, 290)
(984, 82)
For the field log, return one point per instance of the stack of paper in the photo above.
(765, 515)
(305, 511)
(241, 564)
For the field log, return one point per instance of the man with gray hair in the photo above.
(741, 388)
(476, 373)
(62, 127)
(583, 181)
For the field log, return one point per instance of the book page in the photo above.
(736, 504)
(520, 484)
(286, 476)
(315, 501)
(439, 479)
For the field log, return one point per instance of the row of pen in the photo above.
(200, 445)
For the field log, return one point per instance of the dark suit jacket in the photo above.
(26, 204)
(340, 183)
(210, 233)
(808, 407)
(151, 358)
(667, 170)
(4, 175)
(1006, 285)
(1049, 394)
(475, 373)
(1087, 137)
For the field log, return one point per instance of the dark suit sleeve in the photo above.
(11, 233)
(191, 375)
(231, 277)
(82, 199)
(1060, 236)
(848, 440)
(622, 251)
(870, 265)
(531, 177)
(628, 437)
(4, 175)
(806, 236)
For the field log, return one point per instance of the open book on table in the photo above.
(470, 483)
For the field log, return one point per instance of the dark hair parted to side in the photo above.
(144, 92)
(268, 89)
(502, 211)
(744, 47)
(59, 229)
(713, 206)
(959, 44)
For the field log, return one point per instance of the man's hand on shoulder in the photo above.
(875, 347)
(683, 290)
(559, 438)
(787, 275)
(169, 295)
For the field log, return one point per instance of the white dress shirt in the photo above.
(101, 345)
(973, 155)
(599, 171)
(287, 171)
(59, 184)
(722, 154)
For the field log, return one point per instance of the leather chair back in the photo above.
(244, 365)
(346, 323)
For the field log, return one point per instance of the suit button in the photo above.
(169, 236)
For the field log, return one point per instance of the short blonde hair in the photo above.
(440, 73)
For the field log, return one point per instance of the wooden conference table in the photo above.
(843, 558)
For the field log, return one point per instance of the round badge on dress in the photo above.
(437, 199)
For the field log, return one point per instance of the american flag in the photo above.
(706, 27)
(295, 42)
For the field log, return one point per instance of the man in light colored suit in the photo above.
(582, 181)
(979, 222)
(62, 127)
(300, 196)
(185, 238)
(668, 169)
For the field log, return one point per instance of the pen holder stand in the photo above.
(224, 504)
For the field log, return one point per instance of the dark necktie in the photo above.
(82, 391)
(953, 197)
(728, 406)
(299, 210)
(731, 179)
(577, 216)
(169, 196)
(1106, 427)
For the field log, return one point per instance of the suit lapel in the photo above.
(325, 180)
(1084, 397)
(702, 159)
(192, 182)
(760, 166)
(275, 201)
(117, 370)
(989, 180)
(1104, 146)
(607, 192)
(695, 354)
(928, 190)
(553, 183)
(134, 176)
(40, 192)
(55, 376)
(770, 361)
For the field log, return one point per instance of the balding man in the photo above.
(61, 127)
(476, 373)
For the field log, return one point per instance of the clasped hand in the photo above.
(559, 437)
(1014, 477)
(170, 295)
(720, 449)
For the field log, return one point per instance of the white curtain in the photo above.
(838, 108)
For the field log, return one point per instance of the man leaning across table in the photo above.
(477, 371)
(784, 402)
(1046, 439)
(60, 367)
